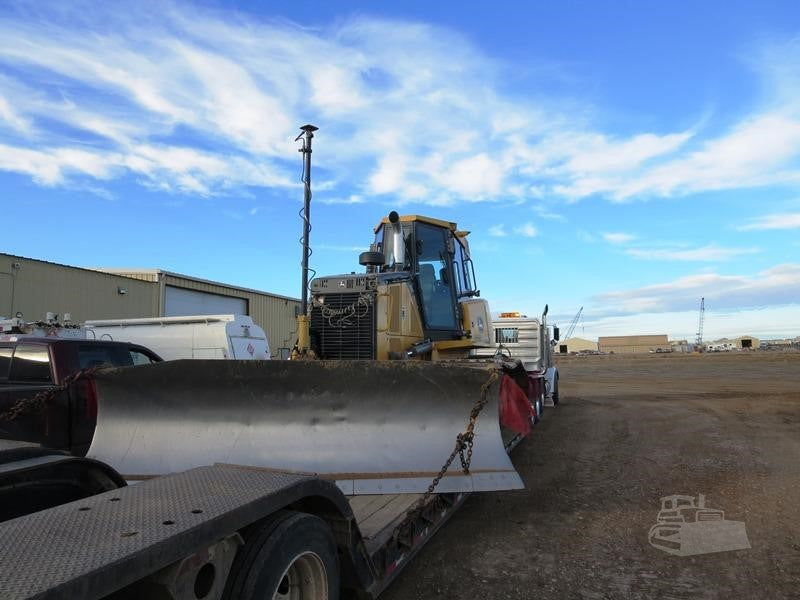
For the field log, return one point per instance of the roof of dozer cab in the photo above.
(372, 426)
(407, 218)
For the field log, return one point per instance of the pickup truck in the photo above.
(30, 365)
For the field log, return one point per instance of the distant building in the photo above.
(575, 345)
(634, 344)
(745, 342)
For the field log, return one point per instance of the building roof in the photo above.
(158, 273)
(632, 340)
(130, 273)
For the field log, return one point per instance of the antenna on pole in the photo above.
(303, 336)
(306, 137)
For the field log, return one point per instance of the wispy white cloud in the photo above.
(773, 221)
(708, 253)
(544, 212)
(200, 101)
(526, 230)
(351, 199)
(618, 237)
(498, 231)
(779, 285)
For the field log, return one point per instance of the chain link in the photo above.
(464, 441)
(39, 402)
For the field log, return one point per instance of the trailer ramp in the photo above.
(373, 427)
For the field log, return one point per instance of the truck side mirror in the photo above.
(555, 332)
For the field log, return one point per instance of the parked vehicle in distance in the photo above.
(34, 358)
(200, 336)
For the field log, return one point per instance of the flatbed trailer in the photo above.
(222, 531)
(160, 536)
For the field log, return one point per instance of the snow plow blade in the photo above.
(373, 427)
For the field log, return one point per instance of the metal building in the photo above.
(34, 287)
(575, 344)
(743, 342)
(633, 344)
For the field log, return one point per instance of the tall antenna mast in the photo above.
(306, 137)
(302, 348)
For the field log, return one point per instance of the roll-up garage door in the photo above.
(182, 301)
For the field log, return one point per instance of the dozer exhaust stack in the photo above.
(373, 427)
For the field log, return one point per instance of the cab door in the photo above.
(434, 276)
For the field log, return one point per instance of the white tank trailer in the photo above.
(193, 337)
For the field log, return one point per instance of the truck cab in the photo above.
(31, 364)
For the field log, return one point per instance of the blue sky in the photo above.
(620, 156)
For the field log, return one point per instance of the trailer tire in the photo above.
(290, 555)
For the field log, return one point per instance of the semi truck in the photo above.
(531, 341)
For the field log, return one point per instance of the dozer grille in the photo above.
(344, 328)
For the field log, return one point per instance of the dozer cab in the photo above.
(417, 299)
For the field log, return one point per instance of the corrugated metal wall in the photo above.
(274, 314)
(37, 287)
(632, 344)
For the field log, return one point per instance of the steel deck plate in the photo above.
(92, 547)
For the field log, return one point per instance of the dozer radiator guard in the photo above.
(373, 427)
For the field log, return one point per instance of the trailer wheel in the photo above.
(290, 556)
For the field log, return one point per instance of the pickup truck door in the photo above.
(30, 372)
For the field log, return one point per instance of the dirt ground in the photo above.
(627, 432)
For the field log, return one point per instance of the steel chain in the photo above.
(43, 398)
(464, 441)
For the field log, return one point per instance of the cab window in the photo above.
(140, 358)
(97, 356)
(433, 277)
(5, 361)
(465, 277)
(31, 364)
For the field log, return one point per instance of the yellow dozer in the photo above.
(417, 299)
(381, 392)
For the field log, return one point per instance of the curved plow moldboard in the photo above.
(373, 427)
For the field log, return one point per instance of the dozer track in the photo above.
(374, 427)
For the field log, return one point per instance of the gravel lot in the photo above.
(629, 431)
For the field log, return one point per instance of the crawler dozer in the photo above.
(380, 390)
(381, 395)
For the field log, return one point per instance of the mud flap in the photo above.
(373, 427)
